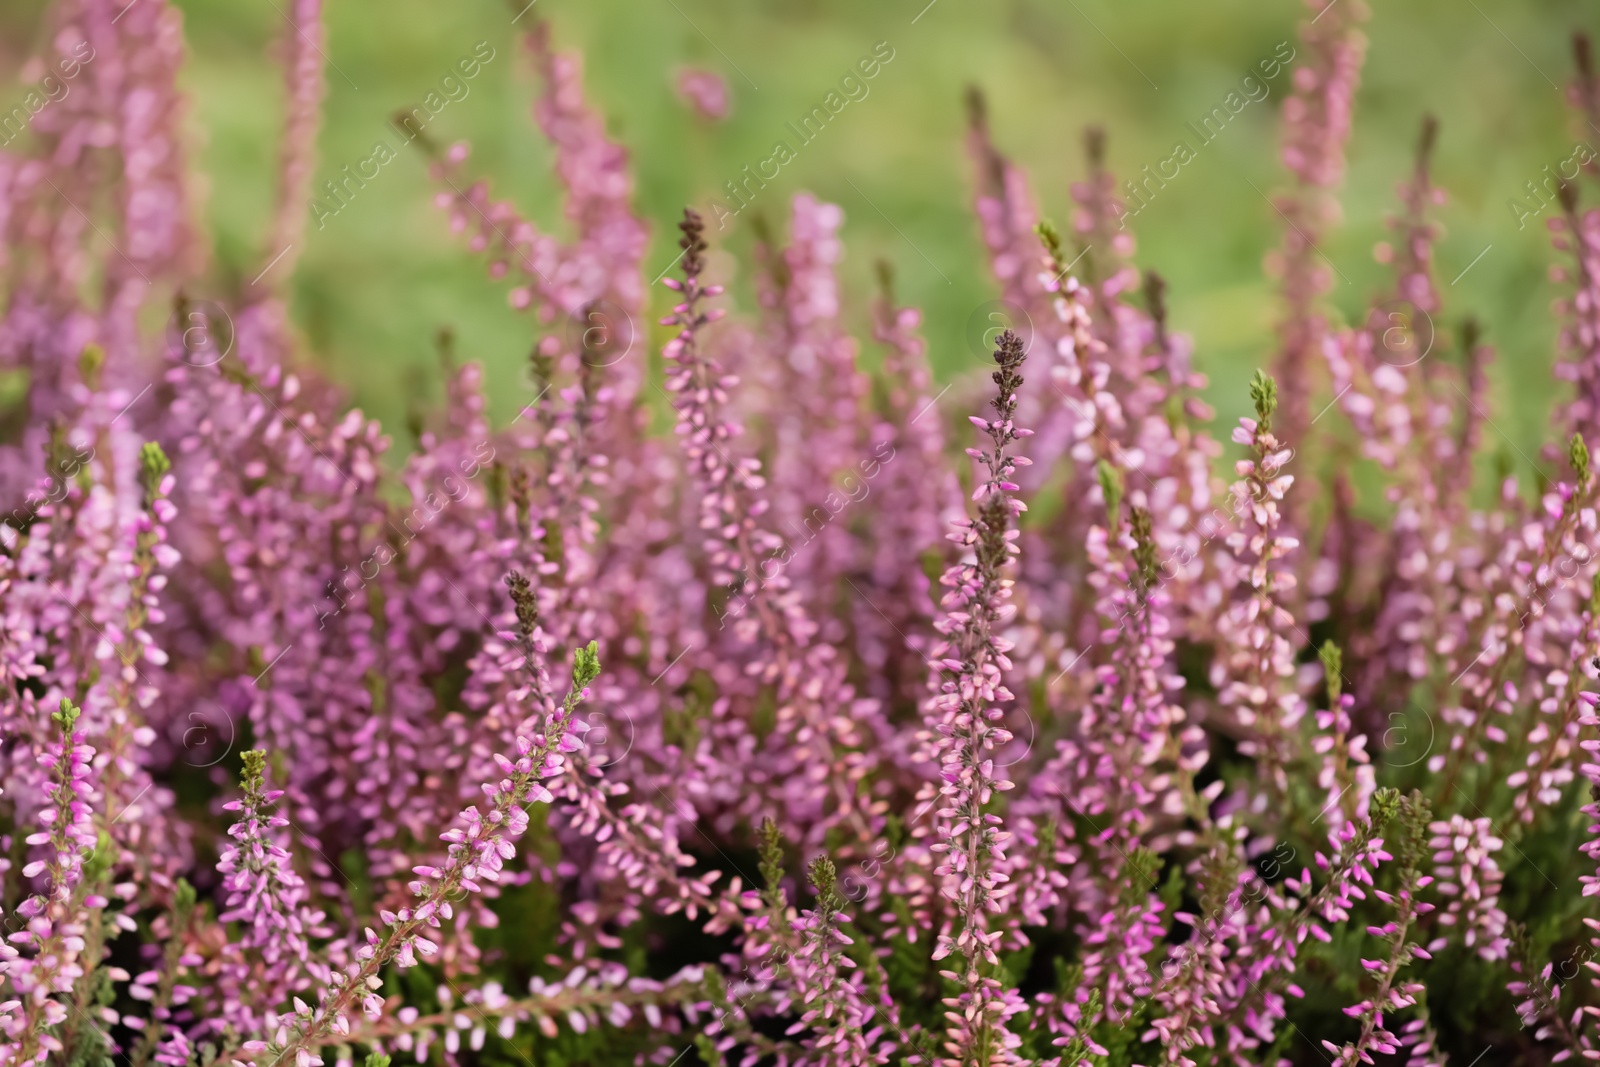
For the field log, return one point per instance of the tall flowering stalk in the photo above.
(478, 852)
(1590, 717)
(915, 497)
(1551, 765)
(1259, 681)
(1535, 569)
(1578, 233)
(265, 895)
(1392, 994)
(304, 38)
(823, 977)
(1317, 118)
(965, 731)
(734, 542)
(138, 566)
(57, 916)
(164, 1039)
(1538, 998)
(1407, 404)
(214, 553)
(815, 704)
(1346, 773)
(1469, 877)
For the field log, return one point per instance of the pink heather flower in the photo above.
(817, 409)
(1391, 994)
(1191, 991)
(1591, 771)
(58, 914)
(1468, 877)
(1257, 678)
(1353, 858)
(964, 730)
(764, 611)
(1552, 761)
(705, 92)
(827, 990)
(1316, 127)
(272, 960)
(1346, 773)
(304, 38)
(914, 496)
(478, 851)
(1578, 234)
(1008, 795)
(1535, 567)
(1407, 420)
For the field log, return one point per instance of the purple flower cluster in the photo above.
(1129, 757)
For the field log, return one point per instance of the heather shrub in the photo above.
(789, 735)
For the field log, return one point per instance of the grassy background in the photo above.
(379, 279)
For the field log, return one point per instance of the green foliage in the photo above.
(772, 866)
(683, 721)
(67, 717)
(585, 669)
(85, 1044)
(912, 978)
(764, 716)
(824, 878)
(1414, 813)
(90, 363)
(1051, 238)
(706, 1046)
(1078, 1048)
(1385, 804)
(254, 770)
(153, 466)
(1124, 1043)
(1111, 486)
(1145, 551)
(98, 862)
(1264, 394)
(1333, 671)
(1014, 965)
(1219, 874)
(530, 918)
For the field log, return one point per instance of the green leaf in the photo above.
(1264, 392)
(586, 665)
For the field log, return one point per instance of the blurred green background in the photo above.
(379, 279)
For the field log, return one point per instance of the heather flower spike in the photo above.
(477, 853)
(1061, 786)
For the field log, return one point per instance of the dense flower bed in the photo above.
(788, 737)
